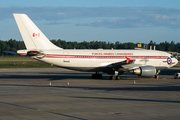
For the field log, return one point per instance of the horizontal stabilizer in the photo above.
(11, 52)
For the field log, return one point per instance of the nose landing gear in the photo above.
(157, 75)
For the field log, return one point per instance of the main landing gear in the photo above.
(115, 76)
(97, 76)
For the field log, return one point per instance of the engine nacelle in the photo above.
(144, 71)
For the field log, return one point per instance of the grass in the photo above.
(177, 66)
(16, 59)
(22, 62)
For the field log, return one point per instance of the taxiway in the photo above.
(25, 94)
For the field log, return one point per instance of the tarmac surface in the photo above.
(25, 94)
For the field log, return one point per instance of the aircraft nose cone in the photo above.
(175, 61)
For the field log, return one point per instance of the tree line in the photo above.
(14, 45)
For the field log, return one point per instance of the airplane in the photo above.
(142, 62)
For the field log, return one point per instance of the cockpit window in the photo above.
(172, 57)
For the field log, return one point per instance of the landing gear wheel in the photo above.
(96, 76)
(112, 77)
(93, 76)
(156, 77)
(118, 77)
(99, 76)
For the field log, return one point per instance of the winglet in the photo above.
(128, 59)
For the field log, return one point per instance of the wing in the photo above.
(125, 62)
(125, 65)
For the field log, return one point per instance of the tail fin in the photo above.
(31, 34)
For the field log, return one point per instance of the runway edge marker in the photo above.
(134, 82)
(68, 83)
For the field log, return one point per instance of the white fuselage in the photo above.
(88, 60)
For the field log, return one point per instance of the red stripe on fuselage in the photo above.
(105, 57)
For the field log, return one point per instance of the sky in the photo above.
(137, 21)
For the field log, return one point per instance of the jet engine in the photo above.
(144, 71)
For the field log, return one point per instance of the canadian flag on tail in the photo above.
(36, 34)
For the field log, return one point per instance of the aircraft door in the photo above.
(66, 57)
(163, 62)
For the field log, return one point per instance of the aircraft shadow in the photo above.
(166, 88)
(169, 71)
(60, 76)
(153, 88)
(130, 99)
